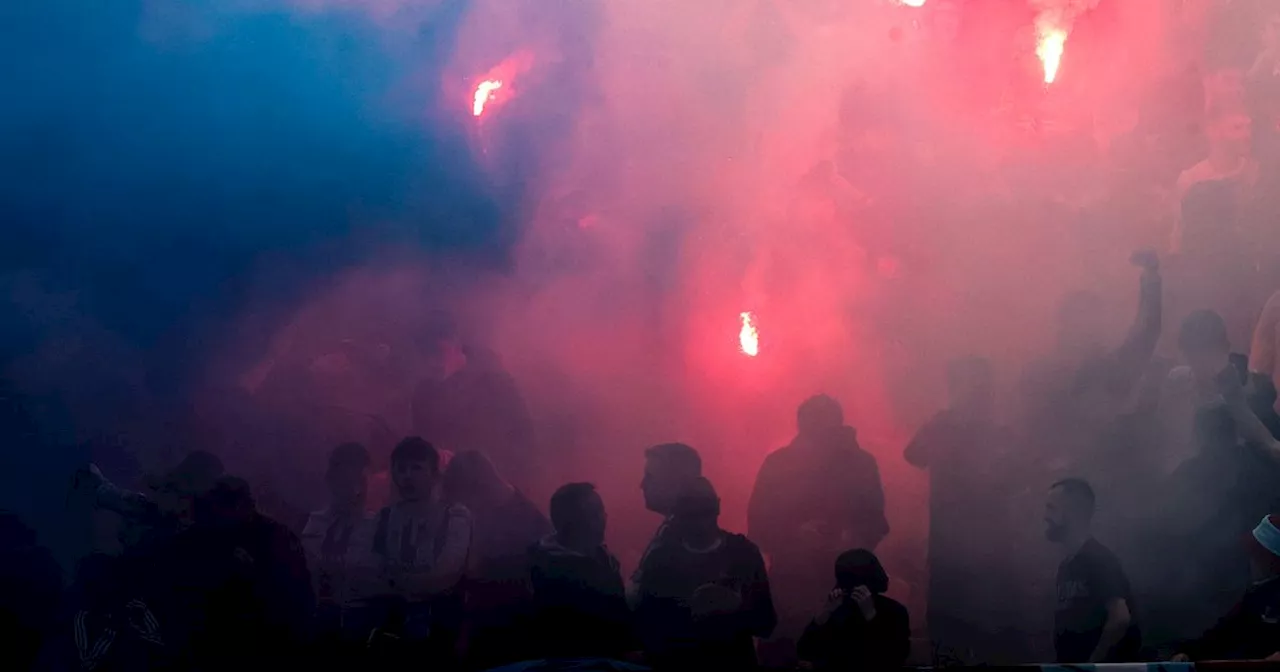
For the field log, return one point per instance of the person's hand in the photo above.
(834, 599)
(714, 600)
(1180, 658)
(1228, 384)
(1146, 259)
(862, 597)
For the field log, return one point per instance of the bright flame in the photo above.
(748, 337)
(484, 94)
(1053, 42)
(913, 3)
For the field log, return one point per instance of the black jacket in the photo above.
(1250, 631)
(847, 641)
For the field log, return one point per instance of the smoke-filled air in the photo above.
(886, 332)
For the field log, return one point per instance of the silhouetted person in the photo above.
(1251, 630)
(506, 524)
(467, 401)
(579, 604)
(812, 499)
(339, 544)
(858, 628)
(1094, 620)
(669, 469)
(1075, 399)
(703, 595)
(965, 451)
(244, 581)
(422, 545)
(30, 592)
(1205, 350)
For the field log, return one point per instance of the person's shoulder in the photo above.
(891, 607)
(740, 545)
(1097, 554)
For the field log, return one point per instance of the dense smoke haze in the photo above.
(196, 195)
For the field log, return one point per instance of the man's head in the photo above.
(696, 513)
(1231, 133)
(348, 477)
(861, 568)
(1068, 513)
(668, 470)
(578, 514)
(415, 469)
(229, 502)
(970, 385)
(177, 490)
(819, 415)
(472, 480)
(1204, 345)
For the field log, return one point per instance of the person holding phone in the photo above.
(858, 628)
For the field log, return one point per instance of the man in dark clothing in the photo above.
(704, 594)
(245, 582)
(505, 524)
(1251, 630)
(669, 469)
(812, 499)
(858, 628)
(964, 450)
(469, 402)
(1093, 622)
(579, 603)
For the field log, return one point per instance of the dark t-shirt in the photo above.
(1087, 582)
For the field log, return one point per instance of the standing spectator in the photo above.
(422, 544)
(962, 447)
(1251, 630)
(579, 602)
(858, 627)
(467, 401)
(811, 499)
(339, 545)
(704, 594)
(1093, 622)
(669, 469)
(506, 524)
(1230, 162)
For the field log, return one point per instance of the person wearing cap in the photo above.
(1251, 630)
(858, 628)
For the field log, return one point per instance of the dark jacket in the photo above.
(579, 605)
(1250, 631)
(673, 638)
(830, 481)
(847, 641)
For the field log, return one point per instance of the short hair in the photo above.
(1203, 329)
(415, 449)
(567, 502)
(820, 411)
(1079, 490)
(697, 500)
(680, 456)
(861, 567)
(350, 455)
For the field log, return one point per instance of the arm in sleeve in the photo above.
(816, 642)
(919, 453)
(891, 632)
(765, 522)
(757, 614)
(1219, 641)
(1133, 355)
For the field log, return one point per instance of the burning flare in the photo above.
(1052, 43)
(913, 3)
(748, 337)
(484, 94)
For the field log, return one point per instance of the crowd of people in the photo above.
(462, 571)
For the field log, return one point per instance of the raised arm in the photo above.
(1133, 355)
